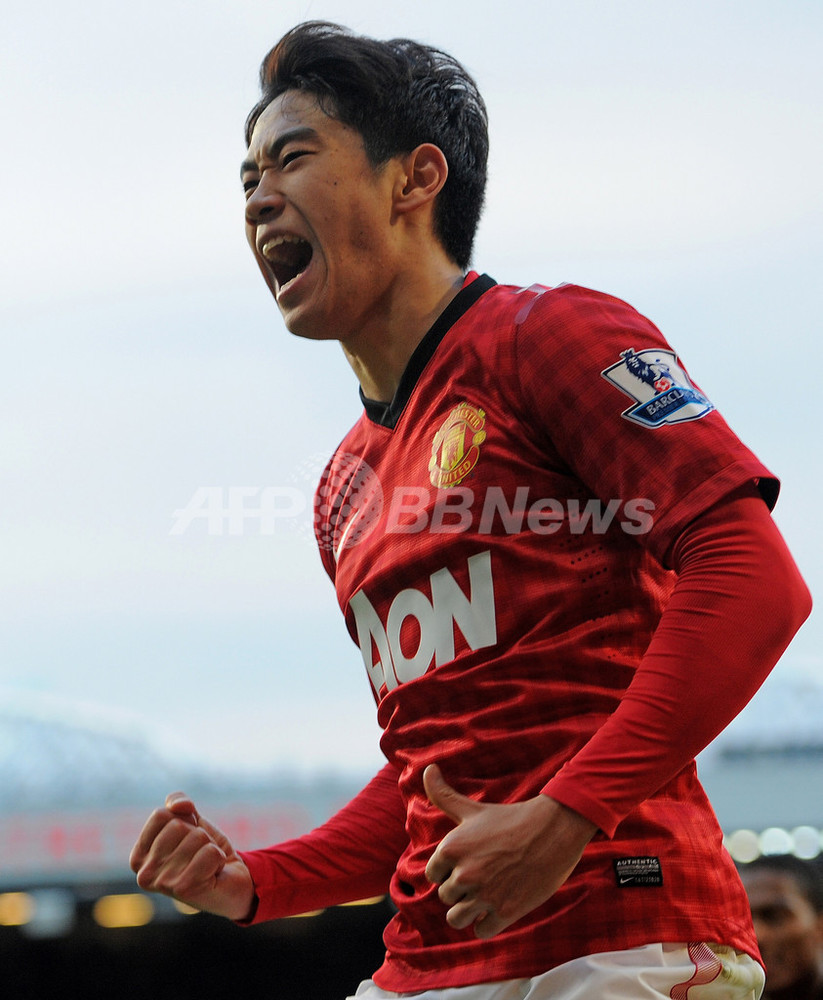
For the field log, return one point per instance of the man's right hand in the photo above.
(180, 854)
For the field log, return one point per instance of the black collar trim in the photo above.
(387, 414)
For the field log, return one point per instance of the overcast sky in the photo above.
(669, 153)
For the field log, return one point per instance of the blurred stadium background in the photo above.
(73, 797)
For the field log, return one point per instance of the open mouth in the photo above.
(288, 256)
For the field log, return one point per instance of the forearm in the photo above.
(737, 603)
(352, 856)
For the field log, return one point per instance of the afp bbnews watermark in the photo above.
(407, 510)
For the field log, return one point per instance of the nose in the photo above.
(264, 202)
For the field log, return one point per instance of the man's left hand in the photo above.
(501, 861)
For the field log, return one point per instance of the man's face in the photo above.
(319, 219)
(789, 931)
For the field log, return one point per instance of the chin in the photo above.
(308, 328)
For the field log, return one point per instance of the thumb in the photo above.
(181, 805)
(441, 794)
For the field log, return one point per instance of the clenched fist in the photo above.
(180, 854)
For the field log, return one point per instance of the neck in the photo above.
(380, 352)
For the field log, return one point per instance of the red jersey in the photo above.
(498, 537)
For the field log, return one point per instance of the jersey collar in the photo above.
(387, 414)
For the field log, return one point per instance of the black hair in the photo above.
(808, 875)
(397, 94)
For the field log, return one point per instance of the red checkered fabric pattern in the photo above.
(501, 555)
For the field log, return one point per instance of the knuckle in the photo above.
(436, 872)
(196, 835)
(450, 898)
(179, 826)
(164, 886)
(166, 883)
(447, 853)
(146, 879)
(159, 817)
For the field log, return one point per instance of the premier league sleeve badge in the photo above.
(662, 390)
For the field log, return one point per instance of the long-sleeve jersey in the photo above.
(550, 550)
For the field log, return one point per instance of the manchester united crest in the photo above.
(456, 445)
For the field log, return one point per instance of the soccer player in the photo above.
(556, 558)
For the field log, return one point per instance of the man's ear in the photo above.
(424, 173)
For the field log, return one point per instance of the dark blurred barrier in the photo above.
(197, 957)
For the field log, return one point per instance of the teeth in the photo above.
(270, 247)
(288, 256)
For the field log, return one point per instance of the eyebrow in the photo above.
(274, 149)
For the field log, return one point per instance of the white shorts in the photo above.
(652, 972)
